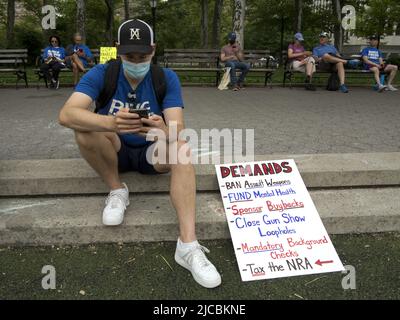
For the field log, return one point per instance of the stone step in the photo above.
(150, 217)
(75, 177)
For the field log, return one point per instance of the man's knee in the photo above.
(340, 65)
(230, 64)
(86, 140)
(183, 153)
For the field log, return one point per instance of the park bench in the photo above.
(262, 64)
(39, 61)
(14, 61)
(207, 62)
(193, 61)
(350, 73)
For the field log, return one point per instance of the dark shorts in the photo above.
(134, 159)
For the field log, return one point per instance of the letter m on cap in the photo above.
(135, 34)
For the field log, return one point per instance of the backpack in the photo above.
(111, 81)
(333, 82)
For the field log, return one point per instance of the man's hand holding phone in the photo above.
(156, 124)
(127, 122)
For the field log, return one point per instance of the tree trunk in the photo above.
(299, 16)
(238, 20)
(10, 23)
(80, 18)
(338, 31)
(204, 23)
(110, 22)
(126, 7)
(217, 23)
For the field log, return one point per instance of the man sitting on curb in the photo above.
(372, 58)
(232, 55)
(113, 140)
(329, 59)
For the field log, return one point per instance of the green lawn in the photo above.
(148, 271)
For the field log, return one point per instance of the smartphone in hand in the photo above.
(143, 113)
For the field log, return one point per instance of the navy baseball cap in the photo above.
(373, 37)
(232, 36)
(135, 36)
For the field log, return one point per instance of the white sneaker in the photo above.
(391, 88)
(194, 260)
(116, 203)
(381, 88)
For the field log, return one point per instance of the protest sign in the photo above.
(107, 53)
(275, 228)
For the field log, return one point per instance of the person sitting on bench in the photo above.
(302, 60)
(54, 61)
(78, 57)
(329, 59)
(372, 58)
(232, 55)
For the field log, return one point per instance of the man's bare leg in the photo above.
(100, 149)
(78, 62)
(331, 59)
(392, 70)
(375, 70)
(182, 193)
(341, 74)
(188, 253)
(75, 72)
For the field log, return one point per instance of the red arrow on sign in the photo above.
(319, 262)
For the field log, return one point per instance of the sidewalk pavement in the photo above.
(286, 121)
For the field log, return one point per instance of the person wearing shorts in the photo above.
(329, 59)
(302, 60)
(115, 140)
(79, 57)
(373, 61)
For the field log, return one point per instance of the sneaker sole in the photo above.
(208, 285)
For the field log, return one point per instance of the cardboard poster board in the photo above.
(275, 228)
(107, 53)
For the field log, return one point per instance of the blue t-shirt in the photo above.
(373, 55)
(86, 51)
(92, 83)
(320, 50)
(58, 52)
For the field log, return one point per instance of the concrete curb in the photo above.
(77, 220)
(74, 176)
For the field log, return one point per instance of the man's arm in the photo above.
(372, 64)
(224, 57)
(240, 55)
(315, 54)
(75, 114)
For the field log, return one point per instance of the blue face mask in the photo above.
(136, 70)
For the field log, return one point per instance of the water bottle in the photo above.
(382, 79)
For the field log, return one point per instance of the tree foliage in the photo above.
(268, 23)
